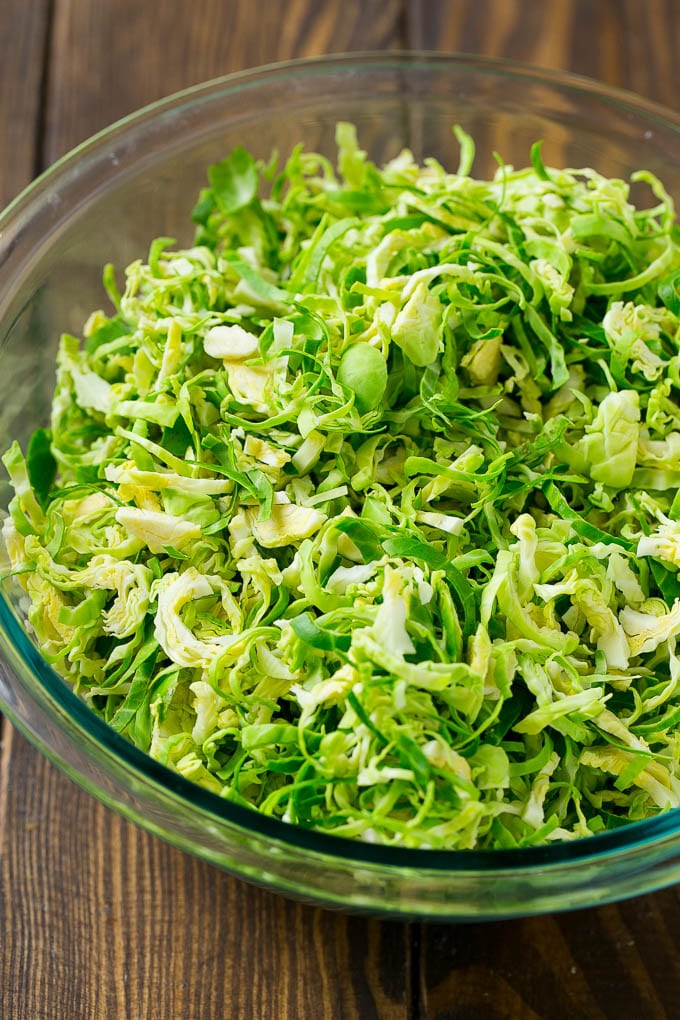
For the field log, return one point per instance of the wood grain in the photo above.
(23, 36)
(618, 961)
(24, 31)
(624, 43)
(111, 58)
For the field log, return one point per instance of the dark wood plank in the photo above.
(130, 54)
(620, 960)
(104, 921)
(23, 29)
(23, 37)
(625, 43)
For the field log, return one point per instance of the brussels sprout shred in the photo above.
(364, 511)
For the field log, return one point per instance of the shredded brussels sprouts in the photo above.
(363, 511)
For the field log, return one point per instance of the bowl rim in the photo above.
(618, 841)
(252, 76)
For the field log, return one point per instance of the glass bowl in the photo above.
(138, 180)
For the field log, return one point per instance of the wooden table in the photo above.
(99, 920)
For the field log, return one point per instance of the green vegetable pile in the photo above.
(364, 510)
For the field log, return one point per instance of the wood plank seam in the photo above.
(44, 91)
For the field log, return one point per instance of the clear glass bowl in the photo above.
(138, 180)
